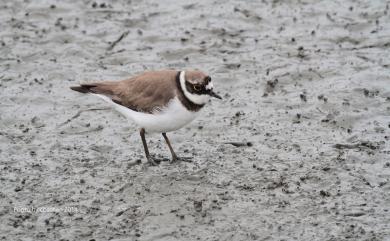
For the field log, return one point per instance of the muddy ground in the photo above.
(305, 83)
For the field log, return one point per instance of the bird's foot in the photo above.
(181, 159)
(152, 161)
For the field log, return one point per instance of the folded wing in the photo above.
(148, 92)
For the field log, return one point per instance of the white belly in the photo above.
(173, 117)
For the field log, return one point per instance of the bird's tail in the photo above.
(106, 88)
(82, 88)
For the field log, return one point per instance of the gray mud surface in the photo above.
(306, 83)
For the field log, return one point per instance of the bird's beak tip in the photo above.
(213, 94)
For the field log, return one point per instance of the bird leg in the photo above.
(174, 156)
(150, 159)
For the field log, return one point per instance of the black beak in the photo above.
(213, 94)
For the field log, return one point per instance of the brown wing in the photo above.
(144, 93)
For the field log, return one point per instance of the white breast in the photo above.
(173, 117)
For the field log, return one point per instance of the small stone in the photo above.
(198, 206)
(324, 193)
(303, 97)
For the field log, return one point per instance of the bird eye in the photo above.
(197, 87)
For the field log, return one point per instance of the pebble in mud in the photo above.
(324, 193)
(323, 98)
(370, 93)
(271, 84)
(303, 97)
(198, 205)
(301, 53)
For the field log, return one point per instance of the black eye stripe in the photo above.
(200, 89)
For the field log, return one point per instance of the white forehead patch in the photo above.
(197, 99)
(209, 86)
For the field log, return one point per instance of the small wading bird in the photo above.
(157, 101)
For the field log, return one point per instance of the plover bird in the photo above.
(157, 101)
